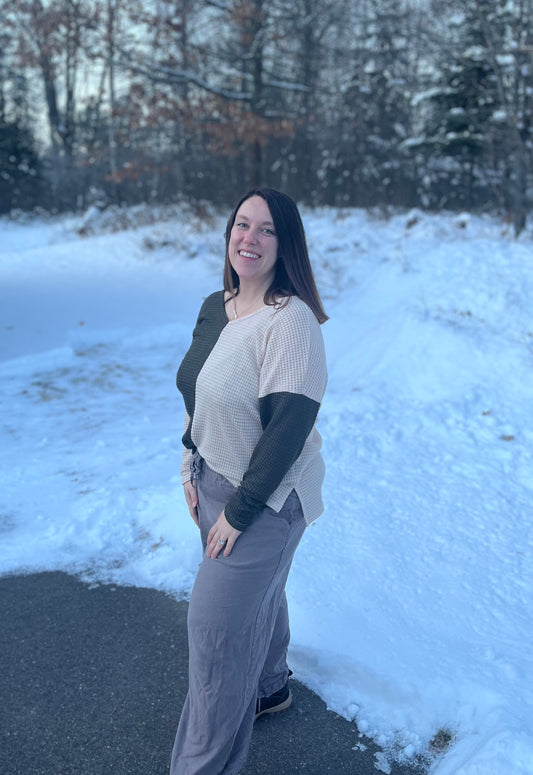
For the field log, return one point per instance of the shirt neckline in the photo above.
(244, 317)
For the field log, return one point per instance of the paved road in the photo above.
(92, 679)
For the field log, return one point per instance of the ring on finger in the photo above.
(222, 542)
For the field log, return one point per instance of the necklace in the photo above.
(247, 309)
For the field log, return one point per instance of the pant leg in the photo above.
(232, 614)
(275, 670)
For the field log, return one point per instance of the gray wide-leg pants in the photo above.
(238, 632)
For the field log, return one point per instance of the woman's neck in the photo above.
(248, 292)
(249, 298)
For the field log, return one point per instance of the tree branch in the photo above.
(169, 75)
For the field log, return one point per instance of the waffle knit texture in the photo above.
(252, 389)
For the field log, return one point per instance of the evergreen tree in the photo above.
(477, 130)
(21, 183)
(376, 111)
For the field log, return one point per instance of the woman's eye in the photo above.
(268, 231)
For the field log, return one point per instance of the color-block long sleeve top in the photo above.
(252, 389)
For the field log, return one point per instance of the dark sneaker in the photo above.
(277, 702)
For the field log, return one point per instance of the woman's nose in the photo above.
(251, 236)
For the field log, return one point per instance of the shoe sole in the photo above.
(277, 708)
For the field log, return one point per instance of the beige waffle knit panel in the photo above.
(186, 456)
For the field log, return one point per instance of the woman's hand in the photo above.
(191, 496)
(221, 531)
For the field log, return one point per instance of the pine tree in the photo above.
(21, 183)
(477, 129)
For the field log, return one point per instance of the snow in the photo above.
(499, 116)
(411, 596)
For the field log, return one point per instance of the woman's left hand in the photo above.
(223, 532)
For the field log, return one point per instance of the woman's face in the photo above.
(253, 244)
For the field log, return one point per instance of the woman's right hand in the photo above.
(191, 496)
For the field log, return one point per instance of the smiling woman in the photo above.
(252, 383)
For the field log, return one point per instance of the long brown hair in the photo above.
(293, 272)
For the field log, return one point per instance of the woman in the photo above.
(252, 383)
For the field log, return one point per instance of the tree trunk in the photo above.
(111, 135)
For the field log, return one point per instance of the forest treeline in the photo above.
(339, 102)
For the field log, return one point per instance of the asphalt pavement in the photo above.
(93, 677)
